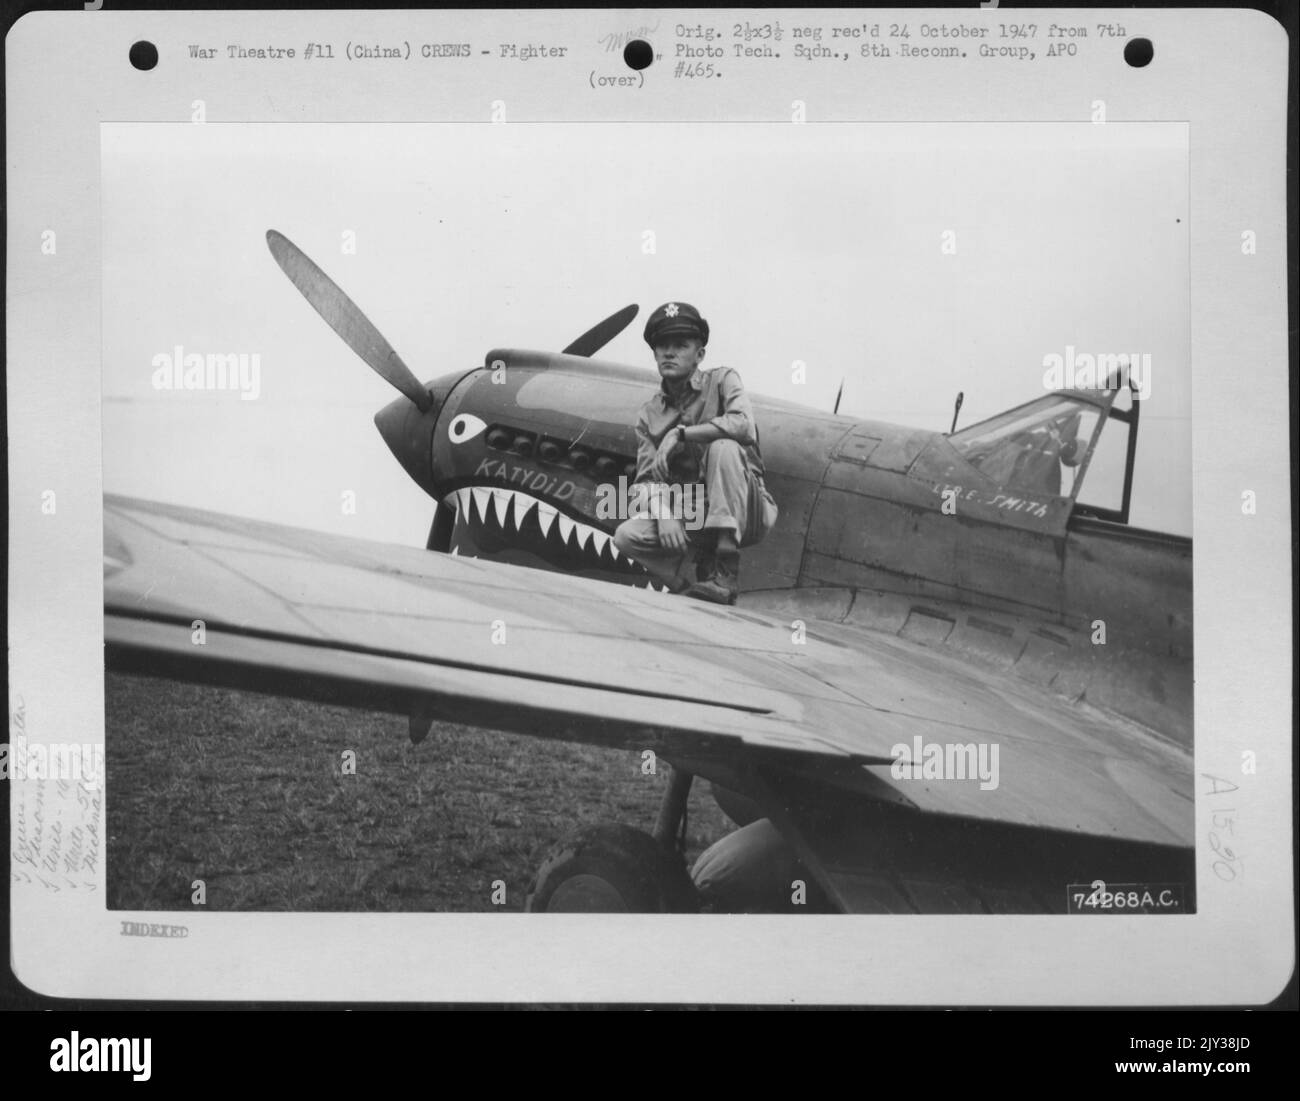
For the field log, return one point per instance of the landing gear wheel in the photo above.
(612, 869)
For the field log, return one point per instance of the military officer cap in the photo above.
(673, 318)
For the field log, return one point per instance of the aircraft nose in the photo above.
(409, 436)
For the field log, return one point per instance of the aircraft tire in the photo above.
(611, 869)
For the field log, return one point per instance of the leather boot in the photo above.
(724, 585)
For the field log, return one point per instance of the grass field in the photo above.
(247, 793)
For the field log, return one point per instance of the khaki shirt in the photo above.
(711, 397)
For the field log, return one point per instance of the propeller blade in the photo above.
(595, 338)
(838, 394)
(345, 318)
(440, 531)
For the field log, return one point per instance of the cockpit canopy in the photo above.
(1047, 446)
(1036, 448)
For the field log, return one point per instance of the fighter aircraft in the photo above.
(926, 602)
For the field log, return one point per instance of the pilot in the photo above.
(697, 443)
(1032, 459)
(1040, 465)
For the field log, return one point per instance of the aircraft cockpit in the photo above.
(1036, 448)
(1048, 446)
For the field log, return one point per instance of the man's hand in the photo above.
(672, 535)
(659, 468)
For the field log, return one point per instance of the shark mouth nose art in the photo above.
(512, 525)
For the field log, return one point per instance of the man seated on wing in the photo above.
(696, 436)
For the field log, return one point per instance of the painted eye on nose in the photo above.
(464, 427)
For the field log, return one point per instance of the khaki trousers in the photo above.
(734, 500)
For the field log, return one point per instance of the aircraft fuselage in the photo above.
(888, 526)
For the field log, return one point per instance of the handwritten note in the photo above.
(615, 40)
(56, 842)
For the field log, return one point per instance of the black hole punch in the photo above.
(1138, 52)
(144, 56)
(638, 54)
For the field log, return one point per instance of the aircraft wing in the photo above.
(201, 596)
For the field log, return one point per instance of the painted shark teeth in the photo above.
(501, 499)
(546, 515)
(494, 504)
(523, 505)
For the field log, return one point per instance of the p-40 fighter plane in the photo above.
(926, 604)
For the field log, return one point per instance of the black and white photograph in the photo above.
(765, 519)
(702, 508)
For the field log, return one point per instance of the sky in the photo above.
(817, 244)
